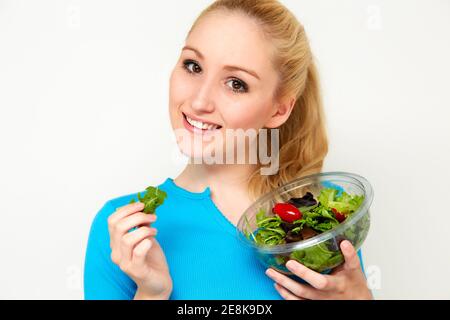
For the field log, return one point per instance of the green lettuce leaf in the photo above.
(153, 198)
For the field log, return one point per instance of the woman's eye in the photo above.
(191, 66)
(238, 85)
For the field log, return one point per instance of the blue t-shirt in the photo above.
(206, 259)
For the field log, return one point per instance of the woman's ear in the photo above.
(280, 112)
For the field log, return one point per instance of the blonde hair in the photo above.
(303, 138)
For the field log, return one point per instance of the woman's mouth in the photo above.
(198, 126)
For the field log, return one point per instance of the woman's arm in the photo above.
(102, 278)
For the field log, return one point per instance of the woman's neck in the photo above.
(228, 185)
(196, 177)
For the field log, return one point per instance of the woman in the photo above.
(245, 65)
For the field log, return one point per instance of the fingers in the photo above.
(317, 280)
(124, 211)
(333, 286)
(299, 290)
(122, 239)
(286, 294)
(134, 220)
(122, 227)
(140, 252)
(130, 240)
(350, 256)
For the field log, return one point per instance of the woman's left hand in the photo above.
(347, 281)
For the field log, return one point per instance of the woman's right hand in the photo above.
(138, 253)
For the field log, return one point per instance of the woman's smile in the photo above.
(197, 126)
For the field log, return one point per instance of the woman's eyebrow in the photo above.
(231, 68)
(253, 73)
(193, 49)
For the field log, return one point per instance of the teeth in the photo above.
(201, 125)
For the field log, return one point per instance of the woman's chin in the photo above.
(203, 154)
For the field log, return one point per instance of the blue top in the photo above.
(206, 259)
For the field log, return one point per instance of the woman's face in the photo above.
(224, 78)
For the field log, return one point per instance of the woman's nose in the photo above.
(203, 99)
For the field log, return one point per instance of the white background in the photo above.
(83, 119)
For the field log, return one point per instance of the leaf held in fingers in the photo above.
(152, 199)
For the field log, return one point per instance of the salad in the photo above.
(153, 198)
(302, 218)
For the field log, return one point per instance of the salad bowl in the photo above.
(306, 220)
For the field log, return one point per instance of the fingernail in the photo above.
(290, 264)
(346, 244)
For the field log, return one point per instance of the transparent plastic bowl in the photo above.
(324, 245)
